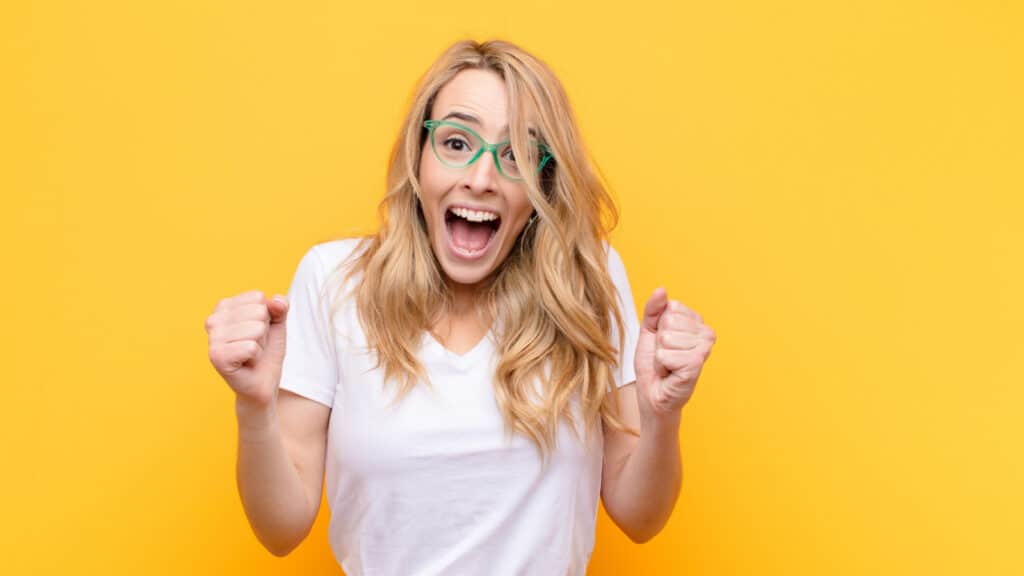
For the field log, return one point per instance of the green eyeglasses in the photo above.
(458, 146)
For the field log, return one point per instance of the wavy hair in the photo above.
(552, 299)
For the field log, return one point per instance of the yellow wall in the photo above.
(835, 186)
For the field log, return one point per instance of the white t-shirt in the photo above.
(433, 486)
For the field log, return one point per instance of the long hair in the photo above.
(552, 297)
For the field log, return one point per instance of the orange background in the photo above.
(835, 186)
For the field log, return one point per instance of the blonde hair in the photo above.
(552, 297)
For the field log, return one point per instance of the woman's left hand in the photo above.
(673, 345)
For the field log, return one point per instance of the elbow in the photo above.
(280, 550)
(281, 553)
(642, 536)
(641, 527)
(282, 539)
(280, 545)
(639, 530)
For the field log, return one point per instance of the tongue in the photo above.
(470, 235)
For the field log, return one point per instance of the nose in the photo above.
(482, 175)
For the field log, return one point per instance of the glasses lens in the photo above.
(507, 160)
(509, 164)
(453, 145)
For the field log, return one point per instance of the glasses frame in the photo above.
(485, 147)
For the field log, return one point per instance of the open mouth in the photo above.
(470, 232)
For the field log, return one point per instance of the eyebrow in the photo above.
(474, 120)
(463, 116)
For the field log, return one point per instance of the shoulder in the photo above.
(325, 265)
(616, 268)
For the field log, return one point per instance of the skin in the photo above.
(641, 477)
(480, 94)
(282, 442)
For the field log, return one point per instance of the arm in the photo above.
(644, 475)
(281, 456)
(641, 477)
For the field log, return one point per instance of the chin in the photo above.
(465, 279)
(465, 273)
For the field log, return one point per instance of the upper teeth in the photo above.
(474, 215)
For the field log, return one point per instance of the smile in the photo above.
(470, 232)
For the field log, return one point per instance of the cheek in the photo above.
(434, 178)
(430, 190)
(520, 205)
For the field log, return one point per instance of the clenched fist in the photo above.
(247, 341)
(673, 345)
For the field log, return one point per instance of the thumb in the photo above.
(656, 304)
(644, 361)
(278, 307)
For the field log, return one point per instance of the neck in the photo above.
(464, 298)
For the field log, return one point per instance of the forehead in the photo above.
(477, 93)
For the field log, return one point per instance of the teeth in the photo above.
(474, 215)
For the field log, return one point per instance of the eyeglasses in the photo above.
(458, 146)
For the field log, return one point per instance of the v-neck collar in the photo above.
(461, 360)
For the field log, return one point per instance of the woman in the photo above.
(458, 374)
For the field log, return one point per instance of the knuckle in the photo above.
(216, 353)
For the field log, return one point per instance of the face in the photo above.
(474, 214)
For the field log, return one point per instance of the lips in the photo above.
(474, 212)
(469, 233)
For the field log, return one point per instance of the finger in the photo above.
(678, 306)
(229, 357)
(245, 330)
(676, 340)
(674, 360)
(678, 322)
(654, 308)
(278, 306)
(256, 311)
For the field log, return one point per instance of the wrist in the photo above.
(255, 419)
(661, 423)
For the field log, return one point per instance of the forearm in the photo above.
(647, 487)
(272, 492)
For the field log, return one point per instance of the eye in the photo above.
(510, 155)
(456, 144)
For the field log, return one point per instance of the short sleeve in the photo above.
(310, 366)
(625, 373)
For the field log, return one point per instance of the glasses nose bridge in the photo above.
(486, 149)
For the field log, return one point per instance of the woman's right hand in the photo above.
(247, 344)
